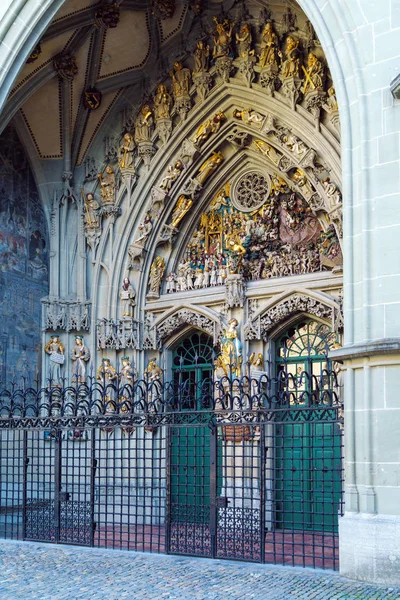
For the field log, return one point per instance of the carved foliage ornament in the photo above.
(295, 304)
(107, 15)
(186, 317)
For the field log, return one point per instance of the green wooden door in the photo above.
(190, 446)
(307, 446)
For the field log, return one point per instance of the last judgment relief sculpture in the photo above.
(282, 237)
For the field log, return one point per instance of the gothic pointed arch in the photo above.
(175, 319)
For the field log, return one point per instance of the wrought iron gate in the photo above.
(150, 475)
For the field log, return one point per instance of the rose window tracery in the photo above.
(251, 191)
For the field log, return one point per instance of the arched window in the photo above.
(192, 371)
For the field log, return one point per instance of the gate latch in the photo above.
(222, 502)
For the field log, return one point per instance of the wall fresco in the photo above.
(23, 263)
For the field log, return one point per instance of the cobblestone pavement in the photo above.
(44, 572)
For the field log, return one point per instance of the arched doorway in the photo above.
(189, 483)
(308, 441)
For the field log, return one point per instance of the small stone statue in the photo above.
(144, 125)
(182, 206)
(107, 186)
(144, 229)
(156, 274)
(106, 372)
(92, 207)
(128, 373)
(209, 166)
(162, 103)
(55, 349)
(80, 355)
(331, 101)
(153, 372)
(248, 115)
(127, 295)
(172, 175)
(171, 283)
(201, 57)
(126, 152)
(244, 41)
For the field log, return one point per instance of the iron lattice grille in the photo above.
(150, 475)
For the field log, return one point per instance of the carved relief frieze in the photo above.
(118, 334)
(66, 315)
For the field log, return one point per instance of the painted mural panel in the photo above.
(23, 263)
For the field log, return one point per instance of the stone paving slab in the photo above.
(46, 572)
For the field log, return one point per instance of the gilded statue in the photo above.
(144, 124)
(291, 63)
(269, 47)
(222, 38)
(180, 80)
(92, 207)
(126, 152)
(172, 175)
(55, 349)
(156, 274)
(209, 166)
(162, 103)
(107, 374)
(208, 128)
(314, 74)
(231, 349)
(107, 185)
(201, 57)
(182, 207)
(248, 115)
(234, 244)
(127, 295)
(153, 372)
(244, 41)
(80, 355)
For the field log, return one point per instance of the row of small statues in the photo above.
(79, 355)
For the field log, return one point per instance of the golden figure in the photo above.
(222, 38)
(182, 206)
(156, 274)
(209, 166)
(180, 80)
(234, 244)
(257, 362)
(92, 218)
(231, 349)
(314, 74)
(269, 47)
(291, 64)
(126, 152)
(244, 40)
(201, 57)
(208, 128)
(107, 185)
(220, 368)
(144, 124)
(107, 374)
(153, 372)
(55, 349)
(162, 103)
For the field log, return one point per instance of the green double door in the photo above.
(190, 445)
(308, 441)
